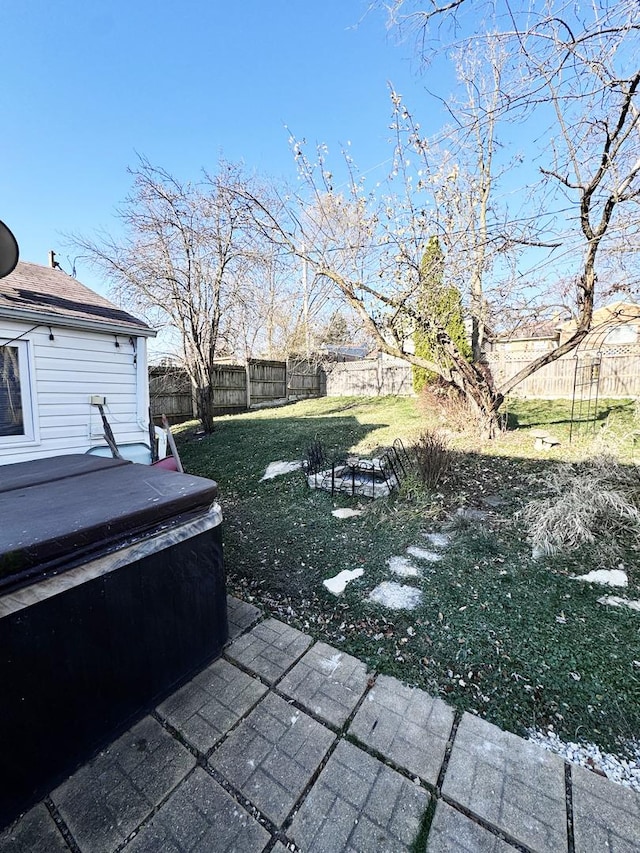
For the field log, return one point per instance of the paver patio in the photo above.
(255, 754)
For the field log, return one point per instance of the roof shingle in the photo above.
(54, 294)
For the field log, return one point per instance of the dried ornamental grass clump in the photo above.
(582, 504)
(433, 458)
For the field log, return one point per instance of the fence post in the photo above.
(248, 375)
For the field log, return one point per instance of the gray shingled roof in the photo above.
(32, 291)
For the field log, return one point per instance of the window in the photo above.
(625, 334)
(16, 416)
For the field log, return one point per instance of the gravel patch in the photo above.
(403, 567)
(625, 771)
(423, 554)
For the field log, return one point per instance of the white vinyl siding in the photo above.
(67, 372)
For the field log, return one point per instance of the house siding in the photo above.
(66, 373)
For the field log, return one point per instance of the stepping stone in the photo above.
(35, 832)
(423, 554)
(270, 649)
(337, 584)
(406, 725)
(438, 540)
(108, 798)
(326, 682)
(403, 567)
(516, 786)
(606, 816)
(452, 832)
(200, 815)
(240, 616)
(396, 596)
(206, 708)
(272, 756)
(276, 469)
(359, 804)
(345, 512)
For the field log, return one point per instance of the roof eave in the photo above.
(45, 319)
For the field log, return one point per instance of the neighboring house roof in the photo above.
(38, 293)
(617, 312)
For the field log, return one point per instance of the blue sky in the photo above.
(86, 85)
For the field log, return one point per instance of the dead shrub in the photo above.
(583, 504)
(448, 407)
(433, 458)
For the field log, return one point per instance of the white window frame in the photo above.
(31, 433)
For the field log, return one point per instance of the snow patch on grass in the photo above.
(396, 596)
(606, 577)
(403, 567)
(423, 554)
(618, 601)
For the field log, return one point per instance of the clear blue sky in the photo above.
(88, 83)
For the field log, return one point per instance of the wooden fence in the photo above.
(236, 388)
(619, 375)
(369, 378)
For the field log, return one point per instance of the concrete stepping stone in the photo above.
(511, 783)
(606, 816)
(269, 649)
(272, 756)
(200, 815)
(403, 567)
(326, 682)
(277, 469)
(240, 616)
(345, 512)
(359, 804)
(35, 832)
(337, 584)
(453, 832)
(106, 799)
(424, 554)
(206, 708)
(396, 596)
(406, 725)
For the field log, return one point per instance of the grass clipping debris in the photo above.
(583, 504)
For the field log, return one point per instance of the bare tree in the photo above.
(181, 260)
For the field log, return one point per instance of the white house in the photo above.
(63, 350)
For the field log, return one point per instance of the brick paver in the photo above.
(606, 815)
(359, 805)
(200, 816)
(240, 616)
(35, 832)
(269, 649)
(104, 801)
(327, 682)
(406, 725)
(208, 706)
(453, 832)
(272, 755)
(514, 785)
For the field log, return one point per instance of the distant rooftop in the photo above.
(33, 291)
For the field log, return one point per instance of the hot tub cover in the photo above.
(56, 512)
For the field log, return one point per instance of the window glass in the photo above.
(11, 414)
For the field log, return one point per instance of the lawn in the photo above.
(498, 633)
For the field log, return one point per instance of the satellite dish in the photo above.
(9, 252)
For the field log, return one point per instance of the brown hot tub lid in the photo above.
(52, 524)
(37, 471)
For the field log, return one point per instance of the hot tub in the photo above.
(112, 593)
